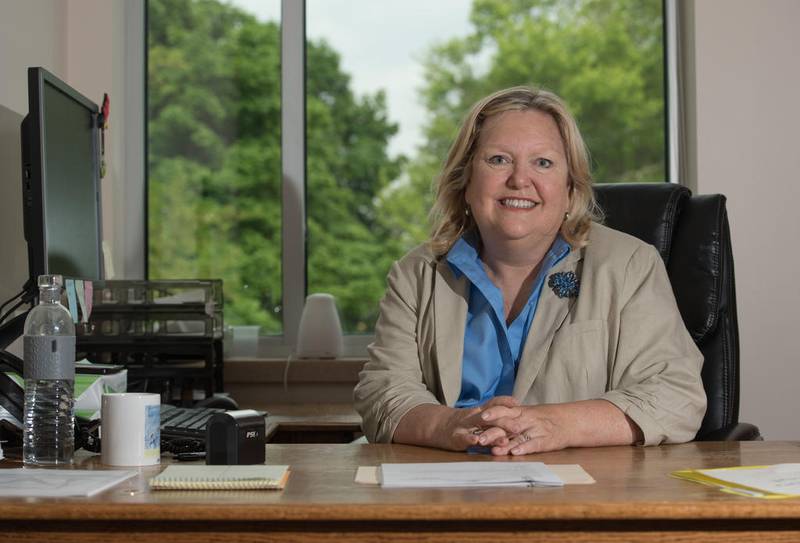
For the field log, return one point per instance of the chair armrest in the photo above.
(741, 431)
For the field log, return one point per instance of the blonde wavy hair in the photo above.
(448, 215)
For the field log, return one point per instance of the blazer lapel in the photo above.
(551, 311)
(450, 299)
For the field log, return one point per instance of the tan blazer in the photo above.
(622, 339)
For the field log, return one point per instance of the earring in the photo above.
(466, 211)
(566, 216)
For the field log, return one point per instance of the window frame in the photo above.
(293, 159)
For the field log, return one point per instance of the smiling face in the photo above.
(518, 191)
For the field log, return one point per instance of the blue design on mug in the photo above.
(152, 430)
(564, 284)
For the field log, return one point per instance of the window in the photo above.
(213, 155)
(301, 159)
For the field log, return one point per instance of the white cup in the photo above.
(130, 429)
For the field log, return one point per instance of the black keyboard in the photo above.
(185, 422)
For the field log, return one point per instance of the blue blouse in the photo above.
(492, 349)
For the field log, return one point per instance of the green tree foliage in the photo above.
(349, 250)
(215, 164)
(604, 57)
(214, 153)
(214, 137)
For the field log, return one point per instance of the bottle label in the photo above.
(49, 357)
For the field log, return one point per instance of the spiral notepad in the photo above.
(258, 477)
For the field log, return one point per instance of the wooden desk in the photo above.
(634, 499)
(311, 423)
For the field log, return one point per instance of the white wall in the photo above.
(85, 43)
(31, 34)
(106, 55)
(13, 255)
(748, 116)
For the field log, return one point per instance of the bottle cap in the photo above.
(50, 281)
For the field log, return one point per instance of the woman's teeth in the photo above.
(517, 203)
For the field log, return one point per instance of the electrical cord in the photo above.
(26, 296)
(87, 435)
(12, 329)
(10, 362)
(14, 297)
(286, 373)
(10, 311)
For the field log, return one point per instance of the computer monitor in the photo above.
(61, 180)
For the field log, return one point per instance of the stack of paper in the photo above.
(255, 477)
(58, 483)
(770, 482)
(467, 474)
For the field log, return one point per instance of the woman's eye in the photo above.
(544, 163)
(497, 160)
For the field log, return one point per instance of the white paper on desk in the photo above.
(571, 474)
(58, 483)
(467, 474)
(778, 478)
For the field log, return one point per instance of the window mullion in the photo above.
(675, 174)
(293, 164)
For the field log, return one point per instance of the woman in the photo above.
(523, 325)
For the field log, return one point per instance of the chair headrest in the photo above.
(648, 211)
(701, 264)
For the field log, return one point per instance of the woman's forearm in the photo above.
(595, 423)
(423, 425)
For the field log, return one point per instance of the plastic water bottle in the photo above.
(49, 372)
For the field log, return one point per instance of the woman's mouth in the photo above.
(518, 203)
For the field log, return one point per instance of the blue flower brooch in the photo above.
(564, 284)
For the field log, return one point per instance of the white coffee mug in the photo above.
(130, 429)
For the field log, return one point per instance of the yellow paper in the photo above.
(762, 481)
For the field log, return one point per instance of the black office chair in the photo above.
(692, 235)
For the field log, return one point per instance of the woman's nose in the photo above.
(519, 177)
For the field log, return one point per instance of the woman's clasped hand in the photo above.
(469, 426)
(510, 428)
